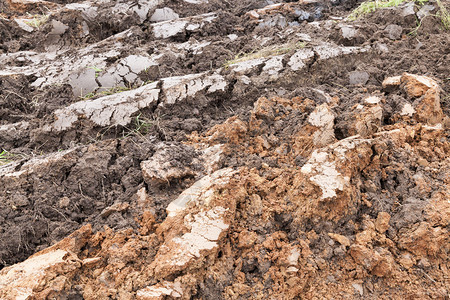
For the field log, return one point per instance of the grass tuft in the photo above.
(141, 127)
(5, 157)
(370, 6)
(37, 20)
(444, 15)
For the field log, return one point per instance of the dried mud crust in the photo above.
(298, 173)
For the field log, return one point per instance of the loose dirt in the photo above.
(218, 150)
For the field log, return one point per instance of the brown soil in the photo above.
(339, 180)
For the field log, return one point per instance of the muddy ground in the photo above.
(218, 150)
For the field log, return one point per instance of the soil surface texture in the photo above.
(217, 149)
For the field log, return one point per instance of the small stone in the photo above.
(358, 77)
(294, 256)
(391, 82)
(407, 110)
(164, 14)
(302, 15)
(58, 27)
(359, 288)
(90, 262)
(383, 48)
(348, 32)
(425, 11)
(382, 222)
(232, 37)
(408, 10)
(394, 32)
(253, 14)
(372, 100)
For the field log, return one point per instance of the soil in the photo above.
(311, 172)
